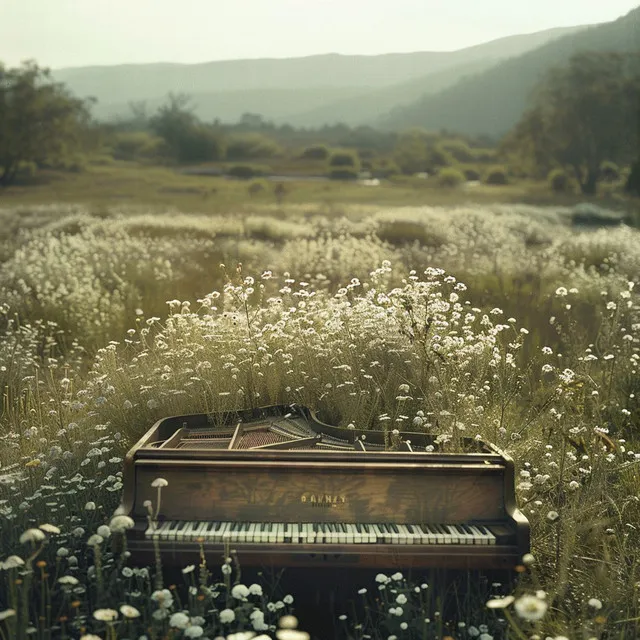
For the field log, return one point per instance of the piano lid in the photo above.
(288, 427)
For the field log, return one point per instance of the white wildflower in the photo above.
(227, 616)
(530, 608)
(500, 603)
(32, 535)
(128, 611)
(179, 620)
(105, 615)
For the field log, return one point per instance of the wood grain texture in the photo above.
(304, 493)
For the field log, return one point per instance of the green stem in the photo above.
(514, 625)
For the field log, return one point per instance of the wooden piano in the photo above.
(283, 489)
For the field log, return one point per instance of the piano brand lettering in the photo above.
(323, 500)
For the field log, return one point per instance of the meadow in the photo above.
(501, 320)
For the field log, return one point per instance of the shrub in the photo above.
(460, 150)
(385, 169)
(247, 171)
(497, 175)
(471, 174)
(559, 181)
(137, 145)
(484, 155)
(344, 159)
(247, 146)
(343, 174)
(609, 171)
(438, 157)
(316, 152)
(450, 177)
(200, 144)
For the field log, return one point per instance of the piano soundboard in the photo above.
(282, 488)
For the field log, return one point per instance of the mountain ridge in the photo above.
(152, 82)
(492, 101)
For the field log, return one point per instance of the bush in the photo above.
(438, 157)
(200, 144)
(460, 150)
(316, 152)
(247, 171)
(498, 176)
(138, 145)
(247, 146)
(344, 159)
(471, 174)
(484, 155)
(385, 169)
(343, 174)
(450, 177)
(559, 181)
(609, 171)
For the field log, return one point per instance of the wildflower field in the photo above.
(498, 321)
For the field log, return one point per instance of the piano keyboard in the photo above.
(320, 533)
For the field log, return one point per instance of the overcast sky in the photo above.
(61, 33)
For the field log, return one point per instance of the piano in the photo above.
(283, 489)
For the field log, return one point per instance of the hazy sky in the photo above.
(60, 33)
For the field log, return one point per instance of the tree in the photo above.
(40, 121)
(411, 151)
(583, 114)
(188, 139)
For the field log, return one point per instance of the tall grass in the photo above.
(502, 323)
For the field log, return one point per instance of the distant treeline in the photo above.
(581, 128)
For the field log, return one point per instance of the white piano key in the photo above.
(400, 531)
(224, 533)
(407, 533)
(471, 536)
(456, 536)
(273, 533)
(295, 534)
(437, 533)
(491, 539)
(374, 533)
(173, 532)
(160, 530)
(420, 536)
(280, 533)
(185, 531)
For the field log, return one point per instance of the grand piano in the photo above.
(284, 489)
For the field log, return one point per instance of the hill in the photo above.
(492, 102)
(312, 87)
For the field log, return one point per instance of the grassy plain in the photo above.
(132, 183)
(399, 306)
